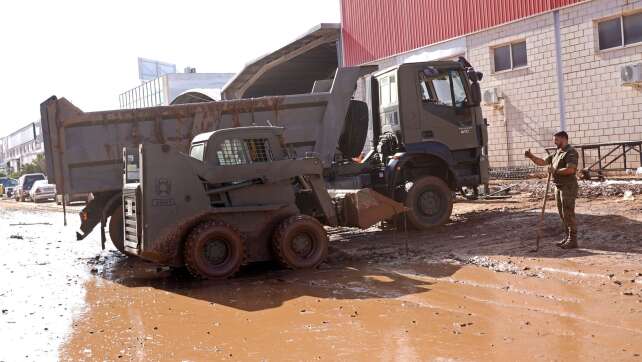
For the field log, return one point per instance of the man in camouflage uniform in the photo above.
(562, 165)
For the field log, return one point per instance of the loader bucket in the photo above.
(366, 207)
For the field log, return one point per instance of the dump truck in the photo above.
(427, 140)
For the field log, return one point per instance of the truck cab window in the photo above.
(436, 89)
(197, 151)
(458, 88)
(388, 91)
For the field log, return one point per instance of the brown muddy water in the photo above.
(63, 299)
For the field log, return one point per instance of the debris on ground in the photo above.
(625, 188)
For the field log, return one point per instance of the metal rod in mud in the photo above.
(541, 218)
(64, 207)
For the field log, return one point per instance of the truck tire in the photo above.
(214, 250)
(116, 229)
(355, 129)
(300, 242)
(430, 202)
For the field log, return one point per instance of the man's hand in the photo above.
(528, 154)
(551, 170)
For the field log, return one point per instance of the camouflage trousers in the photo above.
(565, 196)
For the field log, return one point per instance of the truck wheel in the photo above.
(214, 250)
(430, 202)
(116, 229)
(300, 242)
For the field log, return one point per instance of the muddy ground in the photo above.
(470, 290)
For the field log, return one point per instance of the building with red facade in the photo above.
(548, 64)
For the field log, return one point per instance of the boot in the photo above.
(563, 241)
(571, 243)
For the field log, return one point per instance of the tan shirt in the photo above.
(563, 158)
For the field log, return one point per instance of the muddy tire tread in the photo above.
(280, 233)
(422, 182)
(192, 238)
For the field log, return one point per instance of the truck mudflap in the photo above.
(365, 207)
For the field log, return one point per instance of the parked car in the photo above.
(6, 183)
(42, 190)
(25, 182)
(9, 187)
(74, 197)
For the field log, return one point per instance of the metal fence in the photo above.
(516, 172)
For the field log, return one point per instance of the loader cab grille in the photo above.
(131, 220)
(241, 152)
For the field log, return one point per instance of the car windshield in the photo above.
(30, 180)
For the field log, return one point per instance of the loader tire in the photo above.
(214, 250)
(355, 129)
(430, 202)
(300, 242)
(117, 229)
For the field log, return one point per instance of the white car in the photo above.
(42, 190)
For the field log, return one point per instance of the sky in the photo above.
(87, 51)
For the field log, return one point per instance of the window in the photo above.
(235, 152)
(197, 151)
(510, 56)
(258, 149)
(435, 88)
(231, 153)
(621, 31)
(388, 91)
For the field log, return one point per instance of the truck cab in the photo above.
(429, 138)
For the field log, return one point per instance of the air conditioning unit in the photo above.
(631, 74)
(189, 70)
(492, 97)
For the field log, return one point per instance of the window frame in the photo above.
(510, 55)
(621, 17)
(431, 90)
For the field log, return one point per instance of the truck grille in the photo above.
(130, 210)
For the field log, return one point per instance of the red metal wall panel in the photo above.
(373, 29)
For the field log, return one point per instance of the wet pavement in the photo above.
(381, 296)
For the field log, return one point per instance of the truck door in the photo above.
(445, 114)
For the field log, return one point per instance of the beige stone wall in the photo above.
(529, 108)
(598, 108)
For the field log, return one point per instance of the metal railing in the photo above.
(597, 158)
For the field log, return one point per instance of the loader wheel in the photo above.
(116, 229)
(430, 202)
(214, 250)
(300, 242)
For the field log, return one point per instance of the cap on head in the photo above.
(561, 134)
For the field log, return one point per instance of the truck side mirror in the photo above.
(475, 94)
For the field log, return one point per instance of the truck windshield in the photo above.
(197, 151)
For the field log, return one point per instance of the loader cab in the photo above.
(239, 146)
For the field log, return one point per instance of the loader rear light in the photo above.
(84, 216)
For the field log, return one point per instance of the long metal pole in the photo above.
(541, 218)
